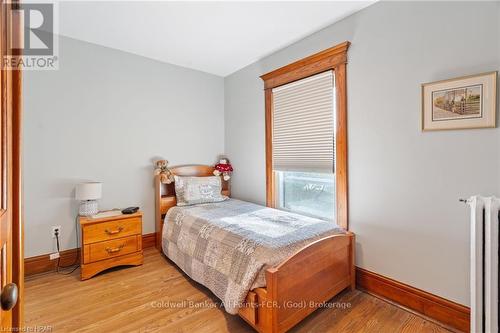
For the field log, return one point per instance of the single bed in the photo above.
(272, 278)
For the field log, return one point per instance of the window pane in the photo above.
(307, 193)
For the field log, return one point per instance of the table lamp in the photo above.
(88, 193)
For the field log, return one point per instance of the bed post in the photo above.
(158, 220)
(271, 324)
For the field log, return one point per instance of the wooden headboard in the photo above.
(165, 193)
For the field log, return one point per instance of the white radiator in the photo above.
(484, 264)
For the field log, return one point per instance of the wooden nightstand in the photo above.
(109, 242)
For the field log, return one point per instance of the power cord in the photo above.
(76, 262)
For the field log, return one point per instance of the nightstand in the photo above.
(109, 242)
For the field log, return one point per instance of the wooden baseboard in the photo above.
(42, 263)
(149, 240)
(449, 313)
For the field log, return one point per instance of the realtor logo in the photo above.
(38, 43)
(38, 28)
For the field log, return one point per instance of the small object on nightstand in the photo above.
(130, 210)
(106, 213)
(88, 193)
(109, 242)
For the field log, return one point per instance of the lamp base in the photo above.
(88, 208)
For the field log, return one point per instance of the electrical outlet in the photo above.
(54, 229)
(54, 255)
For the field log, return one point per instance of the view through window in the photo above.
(307, 193)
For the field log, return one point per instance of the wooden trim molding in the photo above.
(314, 64)
(17, 195)
(149, 240)
(334, 58)
(269, 149)
(449, 313)
(341, 167)
(42, 263)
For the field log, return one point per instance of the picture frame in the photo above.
(460, 103)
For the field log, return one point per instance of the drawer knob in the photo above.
(114, 232)
(114, 249)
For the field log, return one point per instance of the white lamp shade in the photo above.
(88, 191)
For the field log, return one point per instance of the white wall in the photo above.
(104, 115)
(404, 185)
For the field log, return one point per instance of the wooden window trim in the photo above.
(334, 58)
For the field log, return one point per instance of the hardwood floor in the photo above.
(149, 298)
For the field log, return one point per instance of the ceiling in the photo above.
(215, 37)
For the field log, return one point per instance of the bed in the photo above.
(294, 266)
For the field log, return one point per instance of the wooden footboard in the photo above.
(301, 284)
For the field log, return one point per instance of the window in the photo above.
(303, 146)
(306, 139)
(307, 193)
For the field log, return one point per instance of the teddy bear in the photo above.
(166, 177)
(223, 168)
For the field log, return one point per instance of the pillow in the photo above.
(197, 190)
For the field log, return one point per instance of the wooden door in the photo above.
(11, 232)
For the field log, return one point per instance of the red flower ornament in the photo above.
(224, 168)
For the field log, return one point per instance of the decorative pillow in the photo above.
(197, 190)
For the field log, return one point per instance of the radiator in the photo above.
(484, 264)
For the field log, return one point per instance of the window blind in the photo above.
(303, 125)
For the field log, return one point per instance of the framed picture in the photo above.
(465, 102)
